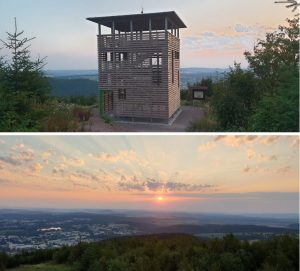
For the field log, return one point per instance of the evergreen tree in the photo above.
(22, 84)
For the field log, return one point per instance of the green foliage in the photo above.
(186, 95)
(79, 100)
(206, 124)
(59, 118)
(170, 252)
(280, 49)
(22, 85)
(107, 119)
(234, 99)
(279, 111)
(264, 98)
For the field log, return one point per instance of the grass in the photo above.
(43, 267)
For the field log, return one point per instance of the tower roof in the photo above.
(141, 21)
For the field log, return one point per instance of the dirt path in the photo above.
(188, 114)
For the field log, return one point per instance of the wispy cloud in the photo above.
(295, 143)
(10, 161)
(152, 185)
(258, 169)
(36, 168)
(236, 141)
(4, 181)
(73, 162)
(236, 37)
(121, 156)
(251, 155)
(206, 147)
(269, 140)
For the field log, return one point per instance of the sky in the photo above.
(219, 174)
(218, 32)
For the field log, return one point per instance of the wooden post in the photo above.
(131, 30)
(113, 32)
(99, 30)
(166, 27)
(150, 29)
(101, 103)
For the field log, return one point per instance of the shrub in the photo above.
(60, 118)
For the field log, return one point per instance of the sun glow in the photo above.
(160, 199)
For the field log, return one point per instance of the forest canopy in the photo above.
(169, 252)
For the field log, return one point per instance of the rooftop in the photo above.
(141, 21)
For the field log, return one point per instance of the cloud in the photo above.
(263, 158)
(268, 140)
(238, 37)
(59, 169)
(73, 162)
(122, 156)
(247, 169)
(46, 155)
(236, 141)
(250, 154)
(18, 146)
(36, 168)
(284, 170)
(10, 161)
(83, 175)
(152, 185)
(295, 143)
(206, 147)
(4, 181)
(22, 154)
(256, 169)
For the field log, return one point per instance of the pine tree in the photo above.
(23, 84)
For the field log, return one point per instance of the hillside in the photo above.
(165, 252)
(74, 83)
(62, 87)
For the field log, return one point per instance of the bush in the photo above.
(82, 113)
(60, 118)
(279, 111)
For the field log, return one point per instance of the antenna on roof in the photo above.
(142, 12)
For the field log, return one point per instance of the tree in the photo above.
(279, 111)
(234, 99)
(23, 84)
(270, 56)
(275, 61)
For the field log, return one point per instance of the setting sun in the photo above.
(160, 198)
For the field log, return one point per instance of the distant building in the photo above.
(139, 66)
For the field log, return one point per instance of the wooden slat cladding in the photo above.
(139, 63)
(174, 74)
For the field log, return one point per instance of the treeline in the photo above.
(73, 87)
(263, 98)
(167, 252)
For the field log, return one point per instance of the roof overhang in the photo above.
(141, 21)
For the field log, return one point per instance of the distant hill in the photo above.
(67, 73)
(67, 83)
(73, 73)
(73, 87)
